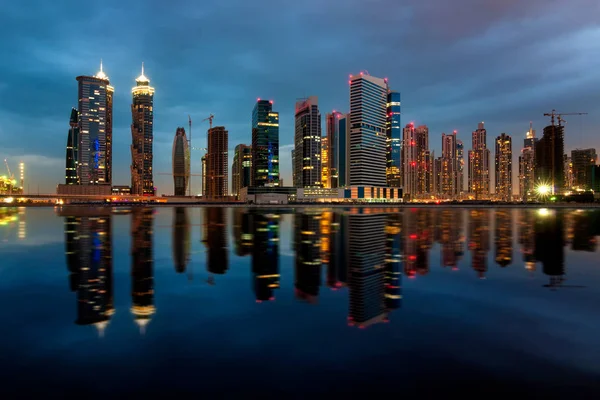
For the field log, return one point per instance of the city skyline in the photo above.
(454, 96)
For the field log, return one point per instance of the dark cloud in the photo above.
(455, 62)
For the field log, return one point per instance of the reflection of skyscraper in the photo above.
(367, 268)
(181, 239)
(393, 262)
(242, 231)
(451, 239)
(583, 230)
(142, 267)
(527, 237)
(218, 254)
(265, 255)
(549, 244)
(479, 240)
(88, 241)
(504, 235)
(308, 256)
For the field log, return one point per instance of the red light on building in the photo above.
(271, 101)
(258, 99)
(361, 72)
(412, 258)
(413, 236)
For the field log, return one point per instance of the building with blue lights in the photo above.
(265, 144)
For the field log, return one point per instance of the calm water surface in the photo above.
(218, 301)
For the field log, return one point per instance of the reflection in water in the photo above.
(363, 251)
(181, 239)
(142, 267)
(88, 245)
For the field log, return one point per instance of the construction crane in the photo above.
(209, 119)
(11, 177)
(558, 116)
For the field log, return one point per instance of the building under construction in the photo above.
(549, 151)
(217, 158)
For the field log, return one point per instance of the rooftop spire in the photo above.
(142, 78)
(101, 74)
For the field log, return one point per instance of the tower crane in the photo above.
(209, 119)
(558, 116)
(11, 176)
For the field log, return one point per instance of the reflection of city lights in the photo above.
(543, 212)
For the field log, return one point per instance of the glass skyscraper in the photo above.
(307, 142)
(343, 150)
(142, 181)
(393, 140)
(265, 144)
(181, 163)
(241, 168)
(95, 100)
(332, 130)
(368, 100)
(72, 147)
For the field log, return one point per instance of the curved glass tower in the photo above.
(181, 162)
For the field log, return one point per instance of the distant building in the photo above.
(582, 159)
(479, 163)
(142, 137)
(72, 147)
(460, 160)
(367, 136)
(593, 178)
(549, 152)
(294, 167)
(527, 166)
(217, 163)
(241, 168)
(393, 139)
(568, 168)
(204, 176)
(95, 129)
(503, 171)
(449, 167)
(343, 150)
(417, 161)
(181, 163)
(307, 143)
(265, 145)
(331, 164)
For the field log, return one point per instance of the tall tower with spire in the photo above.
(142, 179)
(94, 156)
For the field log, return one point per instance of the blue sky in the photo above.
(455, 62)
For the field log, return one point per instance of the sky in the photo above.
(456, 63)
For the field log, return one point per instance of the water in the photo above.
(220, 301)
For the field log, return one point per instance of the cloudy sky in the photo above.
(455, 62)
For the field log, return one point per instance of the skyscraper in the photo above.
(479, 163)
(241, 168)
(527, 166)
(549, 152)
(449, 166)
(393, 139)
(342, 152)
(503, 175)
(582, 159)
(460, 174)
(367, 136)
(332, 164)
(294, 167)
(325, 178)
(307, 143)
(72, 147)
(265, 144)
(204, 175)
(142, 181)
(95, 129)
(417, 161)
(217, 163)
(181, 162)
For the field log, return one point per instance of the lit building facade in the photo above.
(527, 166)
(94, 153)
(582, 159)
(503, 165)
(448, 173)
(265, 144)
(479, 163)
(549, 154)
(217, 160)
(393, 140)
(181, 163)
(334, 145)
(142, 137)
(204, 175)
(367, 136)
(307, 143)
(460, 161)
(241, 168)
(343, 151)
(72, 147)
(325, 162)
(418, 179)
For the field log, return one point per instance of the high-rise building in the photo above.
(527, 166)
(417, 161)
(241, 168)
(142, 115)
(449, 167)
(265, 144)
(307, 143)
(460, 174)
(582, 159)
(569, 176)
(294, 167)
(549, 163)
(343, 151)
(181, 162)
(204, 175)
(72, 147)
(479, 163)
(393, 139)
(331, 165)
(217, 161)
(367, 136)
(95, 129)
(325, 162)
(503, 171)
